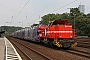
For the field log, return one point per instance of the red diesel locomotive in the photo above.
(58, 33)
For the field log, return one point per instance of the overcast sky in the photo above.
(26, 12)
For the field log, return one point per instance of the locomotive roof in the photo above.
(66, 21)
(59, 22)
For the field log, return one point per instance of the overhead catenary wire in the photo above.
(60, 7)
(43, 9)
(20, 10)
(12, 17)
(46, 6)
(16, 11)
(64, 6)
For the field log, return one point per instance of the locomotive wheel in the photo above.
(41, 41)
(51, 44)
(66, 45)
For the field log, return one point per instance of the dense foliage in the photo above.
(81, 20)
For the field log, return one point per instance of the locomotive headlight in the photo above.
(71, 35)
(60, 36)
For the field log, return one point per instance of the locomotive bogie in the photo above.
(66, 43)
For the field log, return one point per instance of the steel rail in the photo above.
(23, 52)
(36, 51)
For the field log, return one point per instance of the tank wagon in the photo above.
(58, 33)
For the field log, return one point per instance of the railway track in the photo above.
(35, 54)
(81, 53)
(82, 44)
(27, 57)
(85, 42)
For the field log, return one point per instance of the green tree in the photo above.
(74, 12)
